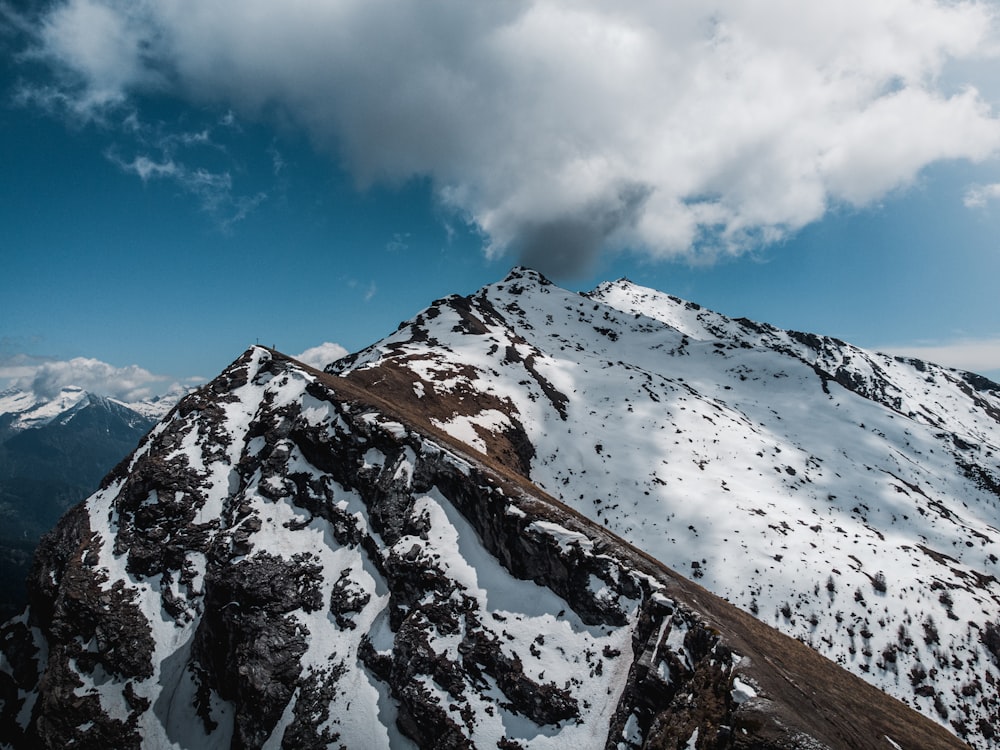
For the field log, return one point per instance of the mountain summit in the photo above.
(466, 536)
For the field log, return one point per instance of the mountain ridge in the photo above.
(685, 680)
(53, 454)
(736, 409)
(475, 532)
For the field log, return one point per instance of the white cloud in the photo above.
(562, 128)
(103, 49)
(322, 355)
(45, 377)
(977, 196)
(975, 355)
(213, 190)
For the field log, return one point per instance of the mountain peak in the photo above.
(674, 424)
(525, 275)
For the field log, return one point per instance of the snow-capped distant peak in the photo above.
(30, 411)
(157, 407)
(25, 410)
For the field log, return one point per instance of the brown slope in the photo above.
(808, 693)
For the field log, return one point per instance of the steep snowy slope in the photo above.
(849, 499)
(284, 563)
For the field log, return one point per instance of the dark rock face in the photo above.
(280, 562)
(93, 629)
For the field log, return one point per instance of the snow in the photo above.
(632, 732)
(463, 427)
(560, 642)
(544, 633)
(30, 411)
(513, 510)
(26, 410)
(563, 537)
(710, 444)
(713, 445)
(742, 692)
(405, 465)
(374, 458)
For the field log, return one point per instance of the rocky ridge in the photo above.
(287, 560)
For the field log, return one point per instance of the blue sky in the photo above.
(180, 180)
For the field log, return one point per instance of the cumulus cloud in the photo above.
(322, 355)
(561, 129)
(45, 378)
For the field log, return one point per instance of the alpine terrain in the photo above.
(54, 451)
(467, 535)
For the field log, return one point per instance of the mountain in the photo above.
(467, 536)
(847, 498)
(286, 562)
(53, 454)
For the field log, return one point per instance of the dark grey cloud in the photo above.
(566, 247)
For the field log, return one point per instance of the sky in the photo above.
(181, 179)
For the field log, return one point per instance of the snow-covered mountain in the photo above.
(24, 409)
(287, 562)
(457, 537)
(849, 499)
(53, 454)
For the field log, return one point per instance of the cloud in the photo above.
(977, 196)
(400, 241)
(564, 129)
(213, 190)
(17, 367)
(368, 291)
(322, 355)
(165, 155)
(46, 377)
(974, 355)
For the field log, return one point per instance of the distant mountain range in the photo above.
(493, 528)
(53, 454)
